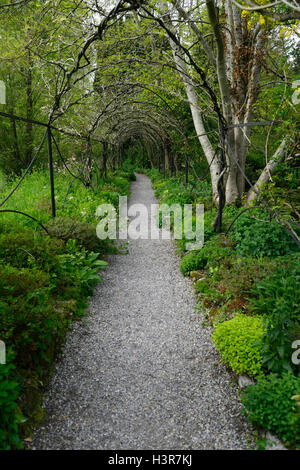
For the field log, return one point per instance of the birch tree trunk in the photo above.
(197, 118)
(268, 171)
(239, 59)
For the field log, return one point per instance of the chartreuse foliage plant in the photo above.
(238, 341)
(273, 403)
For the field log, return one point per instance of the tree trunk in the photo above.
(15, 140)
(29, 111)
(268, 171)
(167, 155)
(104, 165)
(239, 59)
(207, 148)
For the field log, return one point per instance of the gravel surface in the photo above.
(141, 372)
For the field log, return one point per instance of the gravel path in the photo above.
(141, 371)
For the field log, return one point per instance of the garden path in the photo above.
(141, 372)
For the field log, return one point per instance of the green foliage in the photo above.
(29, 247)
(127, 172)
(77, 269)
(277, 298)
(84, 233)
(29, 322)
(121, 182)
(174, 191)
(238, 342)
(44, 284)
(218, 250)
(261, 237)
(10, 416)
(81, 202)
(192, 262)
(270, 404)
(206, 290)
(37, 307)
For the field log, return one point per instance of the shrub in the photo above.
(192, 261)
(121, 183)
(277, 297)
(10, 417)
(208, 231)
(270, 404)
(71, 229)
(79, 270)
(218, 250)
(237, 275)
(21, 282)
(205, 288)
(23, 249)
(127, 175)
(238, 342)
(261, 237)
(110, 197)
(29, 322)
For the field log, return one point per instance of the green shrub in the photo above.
(10, 416)
(192, 261)
(122, 184)
(36, 310)
(277, 298)
(29, 247)
(129, 175)
(16, 282)
(218, 250)
(29, 322)
(261, 238)
(238, 342)
(205, 288)
(71, 229)
(79, 271)
(269, 404)
(110, 197)
(44, 284)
